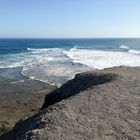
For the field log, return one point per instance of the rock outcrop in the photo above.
(102, 105)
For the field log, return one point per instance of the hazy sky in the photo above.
(69, 18)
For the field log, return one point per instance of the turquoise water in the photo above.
(57, 60)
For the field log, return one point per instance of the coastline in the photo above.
(19, 97)
(102, 104)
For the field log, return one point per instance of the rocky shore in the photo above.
(98, 105)
(19, 97)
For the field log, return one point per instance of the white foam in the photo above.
(12, 65)
(55, 74)
(103, 59)
(30, 58)
(56, 65)
(124, 47)
(73, 49)
(51, 66)
(40, 50)
(134, 52)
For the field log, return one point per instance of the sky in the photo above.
(69, 18)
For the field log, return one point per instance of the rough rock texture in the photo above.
(103, 105)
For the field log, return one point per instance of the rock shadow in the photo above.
(81, 82)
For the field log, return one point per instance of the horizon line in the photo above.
(69, 37)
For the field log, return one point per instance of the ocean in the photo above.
(55, 61)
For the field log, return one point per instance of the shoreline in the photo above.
(19, 97)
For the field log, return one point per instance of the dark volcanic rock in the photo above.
(102, 105)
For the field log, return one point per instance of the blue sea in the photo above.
(55, 61)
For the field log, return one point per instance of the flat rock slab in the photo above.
(19, 97)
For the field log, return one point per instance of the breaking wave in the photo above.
(134, 52)
(124, 47)
(57, 65)
(104, 59)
